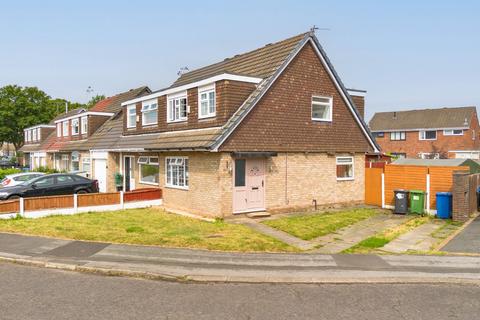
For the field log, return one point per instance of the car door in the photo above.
(44, 186)
(65, 185)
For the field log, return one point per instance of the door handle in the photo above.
(262, 183)
(254, 188)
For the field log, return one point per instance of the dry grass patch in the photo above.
(148, 227)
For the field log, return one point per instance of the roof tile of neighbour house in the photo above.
(67, 114)
(458, 117)
(114, 104)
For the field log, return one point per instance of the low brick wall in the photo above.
(464, 195)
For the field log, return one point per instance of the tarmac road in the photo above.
(37, 293)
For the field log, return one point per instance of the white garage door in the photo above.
(100, 172)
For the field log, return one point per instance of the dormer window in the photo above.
(39, 133)
(26, 136)
(131, 116)
(206, 98)
(75, 127)
(65, 128)
(84, 122)
(34, 135)
(59, 130)
(149, 112)
(29, 135)
(177, 108)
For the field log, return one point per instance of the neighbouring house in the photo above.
(270, 129)
(472, 164)
(7, 150)
(428, 133)
(63, 144)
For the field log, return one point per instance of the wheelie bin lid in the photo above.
(417, 191)
(400, 190)
(444, 194)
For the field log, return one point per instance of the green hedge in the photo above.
(6, 172)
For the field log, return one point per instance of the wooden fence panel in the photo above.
(441, 180)
(143, 195)
(403, 177)
(10, 206)
(53, 202)
(98, 199)
(373, 186)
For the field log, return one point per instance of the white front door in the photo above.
(100, 174)
(249, 185)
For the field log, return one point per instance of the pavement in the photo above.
(46, 294)
(467, 241)
(208, 266)
(418, 239)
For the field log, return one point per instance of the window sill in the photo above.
(321, 120)
(149, 124)
(345, 179)
(149, 183)
(177, 121)
(210, 117)
(176, 187)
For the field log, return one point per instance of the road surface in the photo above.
(36, 293)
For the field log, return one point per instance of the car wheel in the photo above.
(14, 197)
(82, 191)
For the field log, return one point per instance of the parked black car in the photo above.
(50, 185)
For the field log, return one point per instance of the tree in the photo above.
(59, 105)
(94, 100)
(20, 108)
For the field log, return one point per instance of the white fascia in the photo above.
(40, 126)
(224, 76)
(84, 114)
(420, 129)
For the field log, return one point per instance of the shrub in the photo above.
(46, 170)
(6, 172)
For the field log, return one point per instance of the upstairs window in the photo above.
(206, 98)
(29, 135)
(428, 135)
(59, 130)
(378, 134)
(84, 125)
(397, 135)
(26, 136)
(149, 113)
(34, 135)
(65, 128)
(344, 168)
(75, 127)
(39, 134)
(177, 109)
(322, 108)
(453, 132)
(131, 116)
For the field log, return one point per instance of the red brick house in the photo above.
(263, 130)
(428, 133)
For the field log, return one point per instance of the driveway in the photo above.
(468, 241)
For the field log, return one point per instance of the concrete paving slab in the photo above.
(467, 241)
(77, 249)
(25, 245)
(348, 237)
(418, 239)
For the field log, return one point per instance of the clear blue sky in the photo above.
(407, 54)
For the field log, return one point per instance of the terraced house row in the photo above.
(270, 129)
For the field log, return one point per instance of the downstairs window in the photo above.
(177, 172)
(344, 168)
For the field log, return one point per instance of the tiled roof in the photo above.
(458, 117)
(261, 63)
(67, 114)
(113, 104)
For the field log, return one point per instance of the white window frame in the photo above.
(131, 124)
(29, 135)
(34, 135)
(65, 128)
(324, 104)
(451, 132)
(26, 136)
(352, 162)
(186, 178)
(207, 90)
(39, 134)
(149, 106)
(422, 135)
(148, 161)
(172, 107)
(400, 134)
(84, 125)
(86, 160)
(75, 123)
(59, 130)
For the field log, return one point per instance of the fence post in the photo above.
(121, 200)
(383, 189)
(22, 206)
(427, 194)
(75, 202)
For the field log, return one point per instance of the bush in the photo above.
(46, 170)
(6, 172)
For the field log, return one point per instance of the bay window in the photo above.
(149, 112)
(149, 170)
(176, 172)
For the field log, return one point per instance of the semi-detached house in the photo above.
(270, 129)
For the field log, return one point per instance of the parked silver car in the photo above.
(18, 178)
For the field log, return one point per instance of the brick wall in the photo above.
(359, 104)
(412, 145)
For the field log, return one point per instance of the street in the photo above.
(36, 293)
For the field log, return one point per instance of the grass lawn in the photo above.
(373, 244)
(310, 226)
(148, 227)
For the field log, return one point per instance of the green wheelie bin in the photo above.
(417, 201)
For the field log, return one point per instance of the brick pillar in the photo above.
(460, 199)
